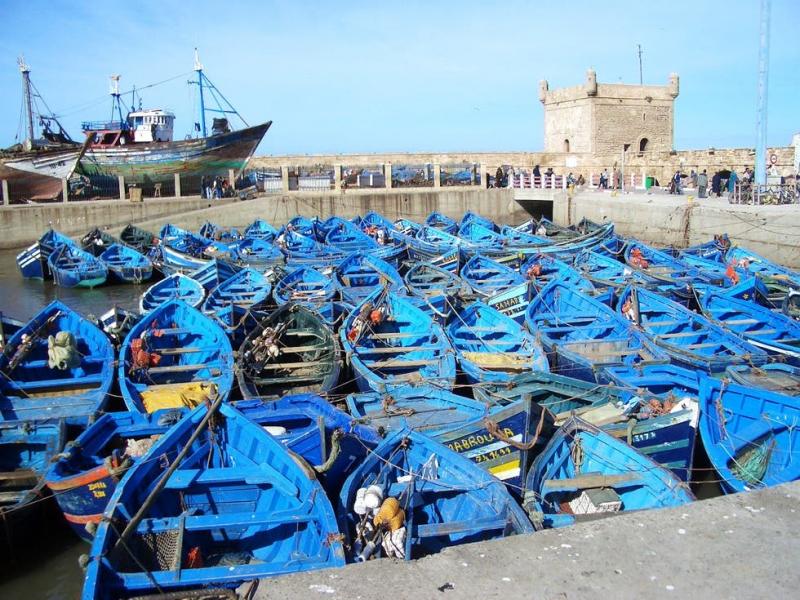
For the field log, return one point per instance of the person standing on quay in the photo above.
(702, 184)
(498, 177)
(732, 178)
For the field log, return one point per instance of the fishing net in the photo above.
(752, 464)
(150, 551)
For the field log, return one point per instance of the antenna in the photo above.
(26, 91)
(114, 86)
(641, 79)
(761, 107)
(198, 67)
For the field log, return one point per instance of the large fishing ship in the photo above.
(34, 168)
(139, 145)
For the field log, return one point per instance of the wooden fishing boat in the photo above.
(301, 251)
(658, 417)
(541, 270)
(584, 471)
(418, 498)
(714, 249)
(773, 332)
(437, 288)
(308, 287)
(423, 408)
(73, 267)
(126, 264)
(775, 377)
(441, 221)
(214, 272)
(664, 267)
(239, 302)
(607, 272)
(360, 274)
(750, 434)
(406, 227)
(349, 238)
(428, 243)
(303, 225)
(260, 229)
(257, 253)
(513, 302)
(582, 335)
(26, 450)
(137, 238)
(488, 278)
(390, 342)
(84, 476)
(232, 506)
(492, 347)
(59, 365)
(343, 443)
(212, 231)
(174, 287)
(33, 261)
(689, 338)
(117, 323)
(98, 241)
(291, 351)
(480, 236)
(174, 356)
(472, 217)
(777, 278)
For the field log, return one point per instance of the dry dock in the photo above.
(738, 546)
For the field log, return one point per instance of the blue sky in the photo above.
(403, 76)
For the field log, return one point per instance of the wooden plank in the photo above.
(382, 364)
(741, 321)
(291, 379)
(181, 368)
(294, 365)
(400, 334)
(682, 334)
(588, 481)
(391, 349)
(760, 332)
(20, 475)
(308, 348)
(699, 346)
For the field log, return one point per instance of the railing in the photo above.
(770, 193)
(101, 125)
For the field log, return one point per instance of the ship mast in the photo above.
(198, 67)
(26, 90)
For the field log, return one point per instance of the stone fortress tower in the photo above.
(603, 118)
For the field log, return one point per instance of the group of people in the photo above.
(215, 188)
(722, 181)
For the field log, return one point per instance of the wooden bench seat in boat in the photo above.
(400, 363)
(301, 514)
(42, 384)
(430, 530)
(252, 475)
(590, 481)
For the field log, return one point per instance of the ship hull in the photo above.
(145, 164)
(38, 175)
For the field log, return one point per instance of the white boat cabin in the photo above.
(151, 125)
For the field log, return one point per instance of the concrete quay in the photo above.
(737, 546)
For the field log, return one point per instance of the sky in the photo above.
(403, 76)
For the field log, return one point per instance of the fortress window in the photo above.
(566, 145)
(643, 144)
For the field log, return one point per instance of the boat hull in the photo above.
(145, 164)
(38, 175)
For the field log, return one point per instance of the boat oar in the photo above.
(147, 504)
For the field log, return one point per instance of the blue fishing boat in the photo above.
(714, 249)
(84, 476)
(513, 302)
(607, 272)
(360, 274)
(291, 351)
(437, 289)
(477, 235)
(582, 335)
(32, 262)
(137, 238)
(126, 264)
(390, 342)
(406, 227)
(412, 497)
(233, 505)
(261, 230)
(238, 303)
(441, 221)
(59, 365)
(182, 250)
(73, 267)
(252, 252)
(212, 231)
(471, 217)
(214, 272)
(423, 408)
(750, 434)
(492, 347)
(301, 251)
(347, 236)
(542, 269)
(303, 226)
(654, 409)
(26, 450)
(429, 243)
(174, 287)
(488, 278)
(174, 356)
(690, 339)
(775, 377)
(771, 331)
(778, 279)
(309, 287)
(584, 471)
